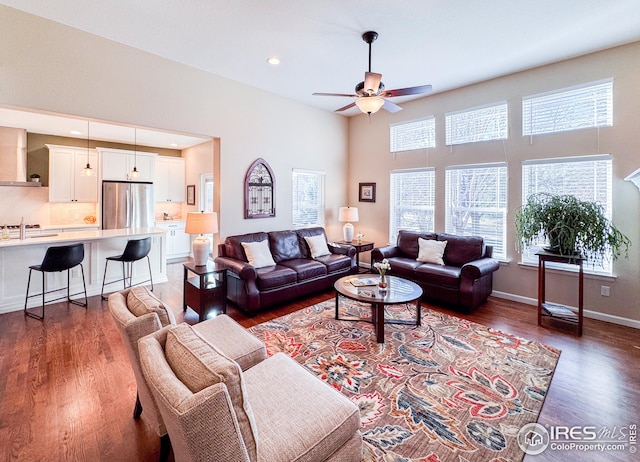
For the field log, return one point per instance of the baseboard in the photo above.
(587, 313)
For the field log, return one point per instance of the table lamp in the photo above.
(201, 223)
(348, 214)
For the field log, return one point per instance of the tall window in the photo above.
(585, 106)
(206, 192)
(476, 203)
(416, 134)
(589, 178)
(308, 198)
(412, 201)
(478, 124)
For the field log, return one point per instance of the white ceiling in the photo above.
(445, 43)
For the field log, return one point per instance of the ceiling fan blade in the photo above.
(336, 94)
(348, 106)
(407, 91)
(391, 107)
(372, 82)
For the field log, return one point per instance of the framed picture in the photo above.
(191, 194)
(367, 192)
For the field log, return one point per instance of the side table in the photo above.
(206, 290)
(559, 312)
(362, 246)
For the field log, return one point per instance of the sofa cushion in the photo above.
(431, 251)
(308, 232)
(198, 365)
(306, 268)
(272, 277)
(335, 262)
(141, 301)
(258, 254)
(284, 245)
(408, 242)
(403, 267)
(317, 245)
(461, 249)
(430, 273)
(233, 244)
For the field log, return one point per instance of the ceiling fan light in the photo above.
(369, 104)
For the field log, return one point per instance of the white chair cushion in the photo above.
(258, 253)
(317, 245)
(431, 251)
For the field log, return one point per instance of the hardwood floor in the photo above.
(67, 391)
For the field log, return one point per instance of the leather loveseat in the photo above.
(463, 278)
(294, 271)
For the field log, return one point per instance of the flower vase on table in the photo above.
(382, 267)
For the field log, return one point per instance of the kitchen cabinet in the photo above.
(178, 242)
(169, 183)
(116, 164)
(66, 182)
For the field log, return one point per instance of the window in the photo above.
(588, 178)
(308, 198)
(479, 124)
(412, 201)
(586, 106)
(417, 134)
(476, 203)
(206, 192)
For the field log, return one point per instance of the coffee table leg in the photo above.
(378, 321)
(418, 315)
(337, 295)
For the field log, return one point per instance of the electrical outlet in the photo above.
(604, 291)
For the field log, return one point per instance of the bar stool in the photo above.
(58, 259)
(136, 249)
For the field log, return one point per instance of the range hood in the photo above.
(13, 157)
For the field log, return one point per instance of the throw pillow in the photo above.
(199, 364)
(317, 245)
(431, 251)
(258, 254)
(141, 301)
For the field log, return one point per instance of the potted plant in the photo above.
(570, 225)
(35, 177)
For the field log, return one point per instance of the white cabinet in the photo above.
(117, 164)
(169, 184)
(66, 181)
(178, 242)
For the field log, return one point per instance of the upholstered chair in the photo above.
(276, 411)
(137, 313)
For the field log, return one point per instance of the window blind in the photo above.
(412, 201)
(476, 203)
(588, 178)
(308, 198)
(586, 106)
(417, 134)
(478, 124)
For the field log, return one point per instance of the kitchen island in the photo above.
(17, 255)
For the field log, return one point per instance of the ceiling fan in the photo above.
(371, 93)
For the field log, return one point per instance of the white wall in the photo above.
(370, 160)
(50, 67)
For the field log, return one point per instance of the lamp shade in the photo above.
(369, 104)
(348, 214)
(201, 223)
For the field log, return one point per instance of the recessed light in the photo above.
(75, 132)
(273, 60)
(174, 145)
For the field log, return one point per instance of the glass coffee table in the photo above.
(398, 291)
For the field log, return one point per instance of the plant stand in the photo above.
(552, 310)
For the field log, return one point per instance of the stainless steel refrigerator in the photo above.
(127, 204)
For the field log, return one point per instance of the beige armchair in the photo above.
(137, 313)
(275, 411)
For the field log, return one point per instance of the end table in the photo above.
(362, 246)
(206, 290)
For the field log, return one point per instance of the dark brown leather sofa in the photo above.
(295, 273)
(464, 281)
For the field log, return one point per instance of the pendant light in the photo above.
(134, 173)
(87, 171)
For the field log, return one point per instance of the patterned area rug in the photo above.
(449, 390)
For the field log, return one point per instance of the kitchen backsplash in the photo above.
(172, 209)
(72, 214)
